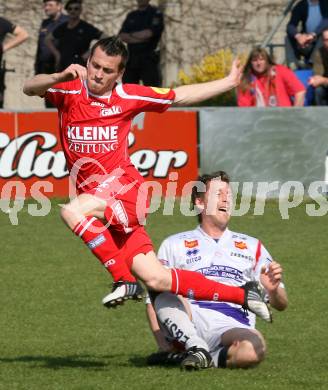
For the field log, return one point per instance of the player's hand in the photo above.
(73, 72)
(236, 71)
(271, 276)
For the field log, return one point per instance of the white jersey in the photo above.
(234, 259)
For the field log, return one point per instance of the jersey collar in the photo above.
(93, 95)
(225, 236)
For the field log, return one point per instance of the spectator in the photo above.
(45, 60)
(320, 67)
(312, 17)
(73, 38)
(265, 84)
(19, 35)
(142, 30)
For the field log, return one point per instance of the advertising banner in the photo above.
(163, 147)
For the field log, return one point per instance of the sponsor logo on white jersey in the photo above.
(193, 260)
(192, 252)
(222, 271)
(242, 256)
(111, 111)
(240, 245)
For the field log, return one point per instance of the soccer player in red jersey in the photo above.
(95, 114)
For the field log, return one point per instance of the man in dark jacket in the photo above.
(308, 19)
(45, 60)
(320, 67)
(11, 35)
(142, 30)
(72, 38)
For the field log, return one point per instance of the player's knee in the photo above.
(167, 299)
(153, 283)
(151, 272)
(67, 212)
(158, 282)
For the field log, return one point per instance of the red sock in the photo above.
(195, 286)
(98, 238)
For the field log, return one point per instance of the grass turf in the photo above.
(54, 333)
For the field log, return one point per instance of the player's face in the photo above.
(52, 8)
(259, 64)
(103, 72)
(325, 39)
(217, 204)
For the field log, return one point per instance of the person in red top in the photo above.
(265, 84)
(95, 114)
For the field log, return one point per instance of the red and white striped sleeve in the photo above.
(61, 91)
(146, 98)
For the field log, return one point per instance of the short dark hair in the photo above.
(196, 193)
(70, 2)
(112, 46)
(57, 1)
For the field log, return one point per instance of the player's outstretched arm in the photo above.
(38, 85)
(196, 93)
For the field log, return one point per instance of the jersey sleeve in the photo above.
(292, 83)
(263, 259)
(61, 92)
(145, 99)
(165, 253)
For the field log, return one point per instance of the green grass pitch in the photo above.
(55, 334)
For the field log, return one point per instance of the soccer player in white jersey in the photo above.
(95, 114)
(213, 333)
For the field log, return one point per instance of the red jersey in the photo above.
(284, 86)
(94, 130)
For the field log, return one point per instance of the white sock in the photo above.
(173, 316)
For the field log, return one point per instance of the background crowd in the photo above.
(65, 38)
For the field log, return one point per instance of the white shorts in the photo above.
(211, 323)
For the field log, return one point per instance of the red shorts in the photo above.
(132, 244)
(126, 209)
